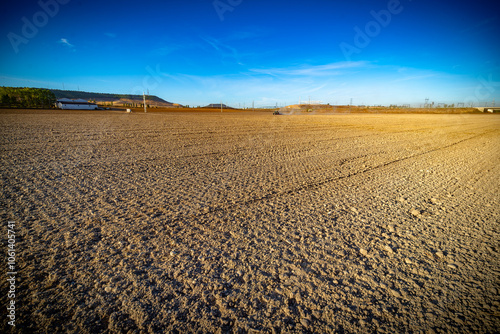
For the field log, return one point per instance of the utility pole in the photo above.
(220, 105)
(144, 99)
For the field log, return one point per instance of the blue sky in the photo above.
(271, 52)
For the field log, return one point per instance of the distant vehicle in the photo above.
(276, 112)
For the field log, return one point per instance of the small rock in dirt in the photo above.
(491, 249)
(388, 249)
(415, 212)
(439, 254)
(434, 201)
(318, 314)
(452, 266)
(408, 261)
(395, 293)
(363, 252)
(304, 322)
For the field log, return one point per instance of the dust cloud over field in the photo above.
(252, 223)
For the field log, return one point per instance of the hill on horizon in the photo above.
(114, 99)
(217, 106)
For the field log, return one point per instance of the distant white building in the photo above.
(75, 104)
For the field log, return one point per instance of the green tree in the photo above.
(5, 99)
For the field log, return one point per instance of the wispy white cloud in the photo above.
(244, 34)
(477, 27)
(64, 41)
(232, 48)
(164, 50)
(27, 82)
(224, 50)
(416, 77)
(312, 70)
(336, 83)
(169, 46)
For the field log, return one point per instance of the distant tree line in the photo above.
(26, 97)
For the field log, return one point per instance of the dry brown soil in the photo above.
(251, 223)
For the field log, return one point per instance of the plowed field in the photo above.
(248, 222)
